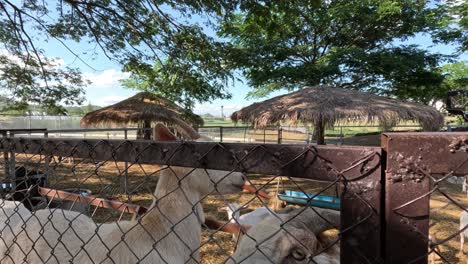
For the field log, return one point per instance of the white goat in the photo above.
(169, 232)
(248, 219)
(10, 210)
(464, 234)
(11, 213)
(465, 185)
(295, 242)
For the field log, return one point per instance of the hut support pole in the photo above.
(6, 158)
(320, 130)
(125, 178)
(147, 129)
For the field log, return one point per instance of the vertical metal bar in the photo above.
(125, 179)
(220, 134)
(307, 135)
(264, 136)
(245, 133)
(12, 163)
(60, 125)
(6, 158)
(403, 244)
(280, 134)
(47, 160)
(361, 207)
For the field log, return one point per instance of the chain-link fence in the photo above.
(121, 201)
(39, 121)
(103, 181)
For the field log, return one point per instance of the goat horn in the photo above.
(252, 189)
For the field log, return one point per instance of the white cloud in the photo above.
(50, 62)
(108, 100)
(105, 88)
(106, 78)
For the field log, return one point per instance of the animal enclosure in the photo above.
(391, 198)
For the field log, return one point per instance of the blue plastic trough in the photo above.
(322, 201)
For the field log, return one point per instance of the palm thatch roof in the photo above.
(326, 105)
(143, 107)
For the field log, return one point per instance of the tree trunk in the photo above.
(320, 132)
(147, 126)
(145, 131)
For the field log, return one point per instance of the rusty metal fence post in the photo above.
(220, 134)
(412, 160)
(12, 162)
(124, 181)
(6, 158)
(47, 160)
(280, 134)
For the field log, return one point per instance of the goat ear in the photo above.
(162, 133)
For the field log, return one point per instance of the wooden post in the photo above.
(245, 133)
(125, 179)
(280, 134)
(320, 132)
(47, 160)
(6, 157)
(12, 164)
(147, 132)
(220, 134)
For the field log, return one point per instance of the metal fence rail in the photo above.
(237, 134)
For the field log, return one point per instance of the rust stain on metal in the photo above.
(409, 169)
(412, 160)
(459, 145)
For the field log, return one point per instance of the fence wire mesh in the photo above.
(116, 201)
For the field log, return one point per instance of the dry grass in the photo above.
(328, 105)
(445, 221)
(104, 180)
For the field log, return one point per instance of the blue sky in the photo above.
(105, 75)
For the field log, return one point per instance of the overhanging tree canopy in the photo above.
(132, 33)
(347, 43)
(323, 106)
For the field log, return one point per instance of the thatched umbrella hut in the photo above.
(142, 109)
(324, 106)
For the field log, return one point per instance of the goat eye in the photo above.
(298, 254)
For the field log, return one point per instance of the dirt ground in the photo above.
(104, 180)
